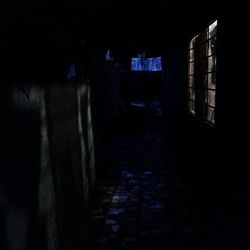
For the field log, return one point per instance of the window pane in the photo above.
(203, 84)
(136, 64)
(192, 43)
(212, 80)
(191, 55)
(146, 64)
(191, 107)
(158, 64)
(210, 114)
(191, 81)
(203, 65)
(191, 68)
(203, 50)
(202, 37)
(211, 98)
(191, 94)
(212, 29)
(211, 63)
(212, 46)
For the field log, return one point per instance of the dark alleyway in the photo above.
(124, 125)
(131, 209)
(140, 203)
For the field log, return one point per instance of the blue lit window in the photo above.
(146, 64)
(136, 64)
(158, 64)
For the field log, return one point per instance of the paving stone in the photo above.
(146, 174)
(127, 175)
(116, 210)
(110, 222)
(98, 211)
(98, 217)
(157, 233)
(131, 208)
(115, 228)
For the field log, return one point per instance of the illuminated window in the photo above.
(146, 64)
(136, 64)
(202, 74)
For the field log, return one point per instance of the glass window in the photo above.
(146, 64)
(202, 74)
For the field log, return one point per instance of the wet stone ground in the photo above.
(133, 208)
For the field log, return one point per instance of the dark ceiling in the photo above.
(45, 33)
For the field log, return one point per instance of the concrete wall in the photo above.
(47, 164)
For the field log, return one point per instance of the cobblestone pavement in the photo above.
(133, 208)
(144, 203)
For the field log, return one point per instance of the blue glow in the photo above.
(158, 66)
(138, 104)
(151, 64)
(71, 72)
(136, 64)
(146, 64)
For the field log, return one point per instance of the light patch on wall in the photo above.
(47, 206)
(80, 92)
(26, 100)
(91, 145)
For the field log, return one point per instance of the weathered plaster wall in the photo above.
(47, 164)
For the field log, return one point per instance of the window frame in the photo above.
(203, 72)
